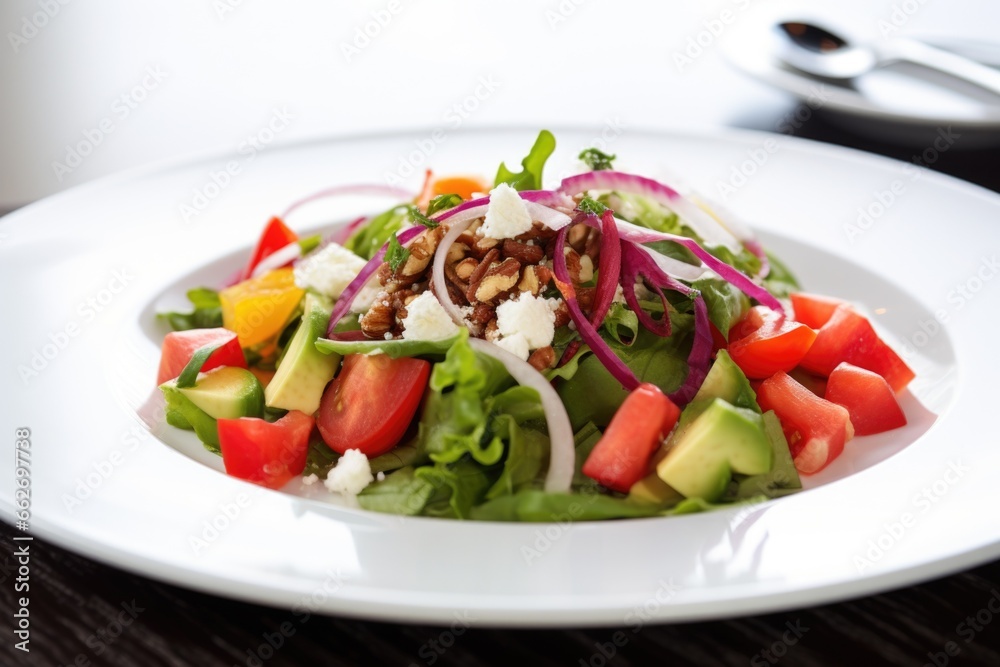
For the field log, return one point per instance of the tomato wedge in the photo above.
(621, 457)
(179, 346)
(868, 398)
(765, 342)
(266, 453)
(276, 235)
(816, 428)
(849, 336)
(371, 403)
(813, 310)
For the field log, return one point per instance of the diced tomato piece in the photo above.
(813, 310)
(276, 235)
(371, 403)
(180, 346)
(621, 457)
(848, 336)
(266, 453)
(765, 342)
(814, 383)
(719, 341)
(868, 398)
(816, 428)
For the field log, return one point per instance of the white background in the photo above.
(227, 65)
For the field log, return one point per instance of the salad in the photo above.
(608, 348)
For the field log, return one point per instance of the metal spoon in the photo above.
(819, 52)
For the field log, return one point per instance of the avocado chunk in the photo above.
(304, 371)
(725, 380)
(222, 393)
(783, 478)
(652, 490)
(705, 452)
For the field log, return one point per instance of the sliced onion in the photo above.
(619, 371)
(562, 451)
(549, 217)
(277, 259)
(638, 234)
(637, 263)
(703, 224)
(549, 198)
(365, 189)
(343, 304)
(675, 267)
(610, 268)
(758, 250)
(438, 278)
(347, 230)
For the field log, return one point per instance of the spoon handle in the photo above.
(919, 53)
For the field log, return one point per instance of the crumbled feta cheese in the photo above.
(516, 345)
(426, 319)
(366, 296)
(525, 323)
(619, 295)
(586, 269)
(388, 335)
(380, 477)
(328, 270)
(351, 474)
(507, 215)
(309, 480)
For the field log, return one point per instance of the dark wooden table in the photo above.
(82, 611)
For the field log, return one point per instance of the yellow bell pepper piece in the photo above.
(259, 308)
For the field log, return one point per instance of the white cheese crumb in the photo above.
(351, 474)
(388, 335)
(525, 323)
(366, 296)
(516, 345)
(426, 319)
(619, 295)
(328, 270)
(507, 215)
(309, 480)
(380, 477)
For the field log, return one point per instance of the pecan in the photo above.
(498, 279)
(538, 231)
(522, 252)
(421, 251)
(465, 268)
(484, 244)
(482, 313)
(492, 331)
(529, 281)
(586, 269)
(380, 318)
(577, 236)
(543, 358)
(562, 314)
(544, 274)
(477, 274)
(592, 249)
(585, 297)
(456, 252)
(573, 266)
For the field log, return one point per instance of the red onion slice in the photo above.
(562, 451)
(343, 304)
(619, 371)
(703, 224)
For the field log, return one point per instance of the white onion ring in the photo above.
(277, 259)
(562, 449)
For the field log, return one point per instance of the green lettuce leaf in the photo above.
(207, 313)
(367, 240)
(530, 177)
(726, 304)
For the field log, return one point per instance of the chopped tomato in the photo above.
(765, 342)
(463, 186)
(276, 235)
(621, 457)
(719, 341)
(816, 428)
(180, 346)
(814, 383)
(868, 398)
(371, 403)
(266, 453)
(813, 310)
(259, 308)
(848, 336)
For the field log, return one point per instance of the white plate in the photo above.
(141, 502)
(900, 103)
